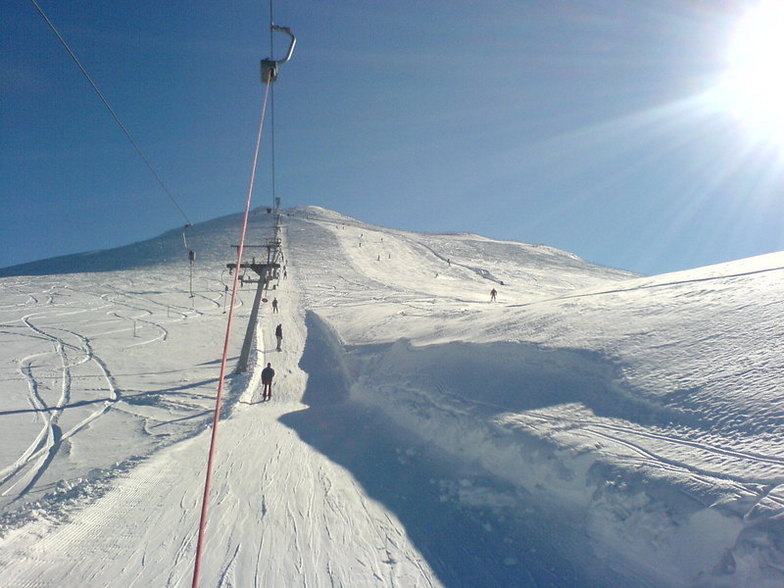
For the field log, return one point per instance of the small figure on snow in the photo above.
(493, 294)
(279, 335)
(274, 305)
(266, 380)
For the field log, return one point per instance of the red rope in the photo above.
(224, 360)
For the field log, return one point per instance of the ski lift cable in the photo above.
(272, 106)
(224, 357)
(105, 102)
(272, 145)
(269, 73)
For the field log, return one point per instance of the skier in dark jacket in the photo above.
(279, 335)
(266, 379)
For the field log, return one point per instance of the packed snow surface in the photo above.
(589, 427)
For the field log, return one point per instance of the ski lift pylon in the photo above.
(184, 237)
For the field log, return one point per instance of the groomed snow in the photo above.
(589, 428)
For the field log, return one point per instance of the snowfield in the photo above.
(591, 427)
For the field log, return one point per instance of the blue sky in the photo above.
(581, 125)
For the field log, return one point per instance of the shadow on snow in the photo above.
(472, 528)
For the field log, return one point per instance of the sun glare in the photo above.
(752, 88)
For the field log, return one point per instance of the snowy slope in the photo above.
(591, 427)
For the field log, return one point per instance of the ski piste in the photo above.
(589, 428)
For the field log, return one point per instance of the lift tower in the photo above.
(266, 272)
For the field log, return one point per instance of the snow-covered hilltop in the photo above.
(589, 427)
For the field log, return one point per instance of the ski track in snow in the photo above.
(680, 450)
(298, 493)
(66, 363)
(657, 446)
(693, 499)
(48, 442)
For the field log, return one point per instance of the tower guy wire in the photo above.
(108, 106)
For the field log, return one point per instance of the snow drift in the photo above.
(591, 427)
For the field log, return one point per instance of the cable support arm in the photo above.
(269, 67)
(293, 43)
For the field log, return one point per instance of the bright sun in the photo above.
(752, 88)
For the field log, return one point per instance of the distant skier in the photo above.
(274, 305)
(266, 379)
(493, 294)
(279, 335)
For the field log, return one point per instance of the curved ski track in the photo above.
(67, 359)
